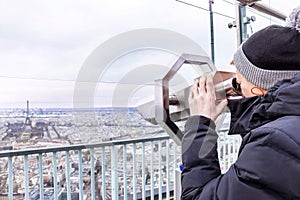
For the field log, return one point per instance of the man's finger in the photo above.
(202, 84)
(191, 93)
(195, 88)
(210, 86)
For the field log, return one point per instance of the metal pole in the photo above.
(268, 10)
(238, 24)
(212, 40)
(243, 24)
(241, 27)
(263, 8)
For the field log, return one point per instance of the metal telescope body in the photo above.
(172, 91)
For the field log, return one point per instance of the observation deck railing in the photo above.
(127, 169)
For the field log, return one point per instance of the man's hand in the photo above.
(202, 99)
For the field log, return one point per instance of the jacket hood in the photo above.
(283, 99)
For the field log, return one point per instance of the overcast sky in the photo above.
(44, 44)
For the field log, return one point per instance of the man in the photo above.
(268, 119)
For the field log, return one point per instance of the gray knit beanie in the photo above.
(271, 54)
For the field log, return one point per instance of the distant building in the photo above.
(48, 194)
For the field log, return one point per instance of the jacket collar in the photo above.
(241, 111)
(281, 100)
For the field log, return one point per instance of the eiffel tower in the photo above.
(27, 122)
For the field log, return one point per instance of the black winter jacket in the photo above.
(268, 165)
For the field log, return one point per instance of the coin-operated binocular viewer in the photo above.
(171, 108)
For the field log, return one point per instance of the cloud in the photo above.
(46, 42)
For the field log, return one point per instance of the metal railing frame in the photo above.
(227, 146)
(111, 146)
